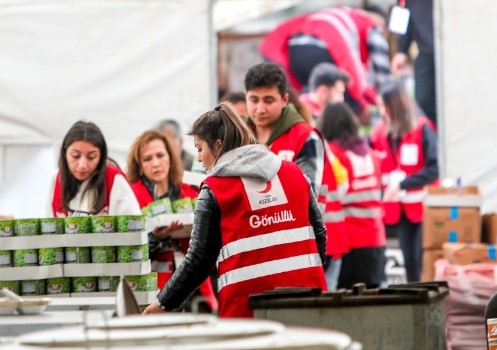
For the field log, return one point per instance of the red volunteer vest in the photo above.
(362, 203)
(267, 239)
(289, 144)
(110, 174)
(329, 26)
(362, 23)
(287, 147)
(410, 159)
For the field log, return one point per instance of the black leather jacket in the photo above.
(205, 244)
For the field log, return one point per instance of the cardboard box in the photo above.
(193, 178)
(454, 224)
(108, 269)
(469, 253)
(31, 272)
(429, 258)
(467, 196)
(451, 215)
(489, 228)
(74, 240)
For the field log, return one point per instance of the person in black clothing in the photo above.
(420, 31)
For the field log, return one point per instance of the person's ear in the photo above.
(286, 98)
(217, 146)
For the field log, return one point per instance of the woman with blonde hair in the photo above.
(155, 172)
(256, 216)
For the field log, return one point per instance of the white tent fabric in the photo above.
(465, 36)
(121, 64)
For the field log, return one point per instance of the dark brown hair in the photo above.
(400, 106)
(266, 75)
(339, 123)
(134, 158)
(222, 123)
(88, 132)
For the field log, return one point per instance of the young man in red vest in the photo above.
(277, 124)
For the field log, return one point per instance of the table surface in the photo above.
(14, 325)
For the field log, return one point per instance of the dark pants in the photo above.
(303, 58)
(363, 265)
(424, 85)
(410, 240)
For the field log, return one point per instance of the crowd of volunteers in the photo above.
(301, 188)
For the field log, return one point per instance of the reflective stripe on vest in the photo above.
(265, 241)
(333, 216)
(329, 195)
(361, 212)
(268, 268)
(332, 196)
(353, 197)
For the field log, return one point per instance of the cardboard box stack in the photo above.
(451, 216)
(76, 256)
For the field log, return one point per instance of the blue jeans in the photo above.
(332, 272)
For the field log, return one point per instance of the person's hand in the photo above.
(167, 231)
(398, 64)
(153, 309)
(392, 193)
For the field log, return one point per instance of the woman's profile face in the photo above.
(155, 161)
(82, 158)
(204, 153)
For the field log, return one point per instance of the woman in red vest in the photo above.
(256, 216)
(362, 203)
(155, 172)
(407, 146)
(85, 183)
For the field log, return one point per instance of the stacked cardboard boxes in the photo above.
(470, 253)
(451, 215)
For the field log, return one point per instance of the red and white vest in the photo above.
(362, 203)
(409, 159)
(360, 23)
(267, 238)
(57, 208)
(287, 147)
(343, 36)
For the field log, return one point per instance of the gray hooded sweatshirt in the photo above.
(252, 161)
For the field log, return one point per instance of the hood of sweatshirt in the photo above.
(251, 161)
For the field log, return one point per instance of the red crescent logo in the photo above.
(267, 189)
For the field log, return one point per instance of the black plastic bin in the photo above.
(404, 316)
